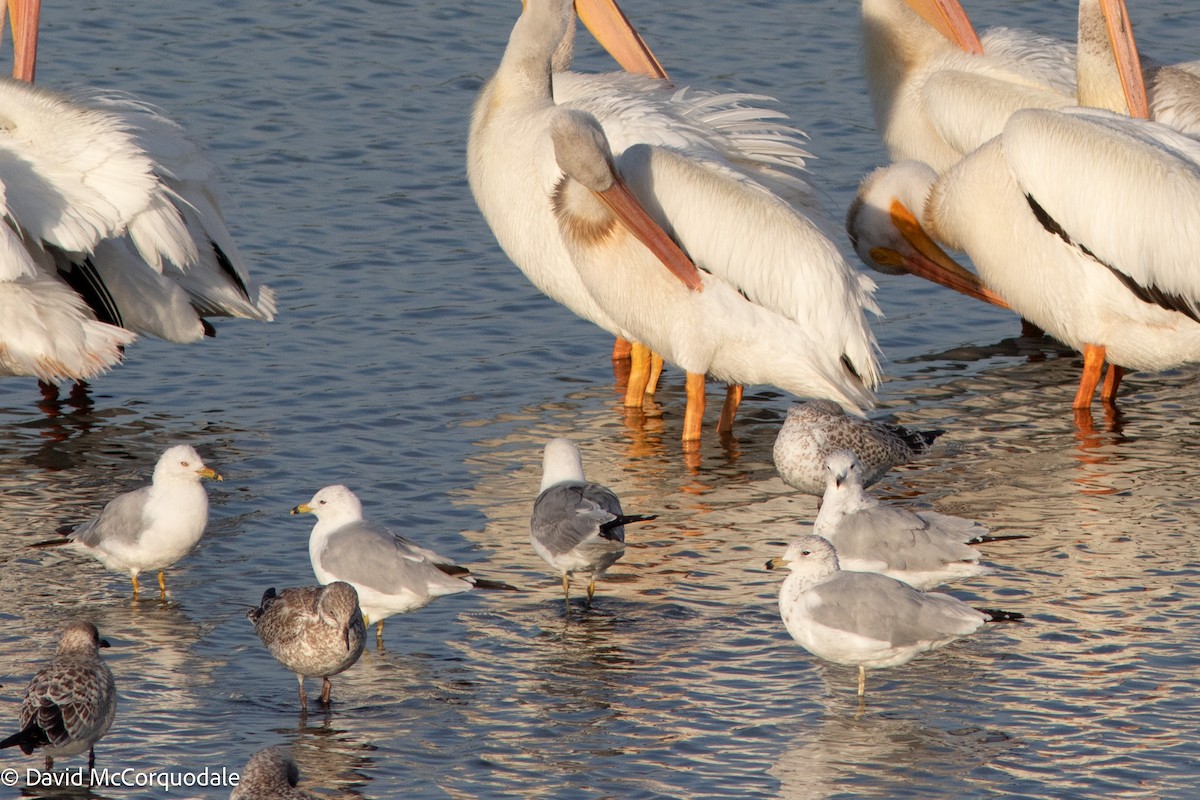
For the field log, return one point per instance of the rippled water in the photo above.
(412, 362)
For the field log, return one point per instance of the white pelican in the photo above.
(115, 228)
(1087, 223)
(939, 91)
(1106, 54)
(513, 191)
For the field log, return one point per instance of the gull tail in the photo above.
(627, 519)
(995, 615)
(28, 738)
(484, 583)
(988, 538)
(919, 441)
(51, 543)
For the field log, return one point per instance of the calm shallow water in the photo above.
(412, 362)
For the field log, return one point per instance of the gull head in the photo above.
(334, 503)
(560, 462)
(809, 555)
(182, 463)
(80, 639)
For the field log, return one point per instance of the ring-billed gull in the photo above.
(922, 548)
(393, 574)
(71, 702)
(576, 526)
(814, 429)
(865, 619)
(314, 631)
(270, 774)
(152, 527)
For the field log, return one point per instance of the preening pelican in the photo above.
(115, 228)
(1107, 55)
(939, 91)
(513, 173)
(1086, 222)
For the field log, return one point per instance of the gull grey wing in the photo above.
(887, 610)
(568, 514)
(370, 555)
(120, 521)
(899, 538)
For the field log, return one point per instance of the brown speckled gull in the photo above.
(71, 702)
(814, 429)
(314, 631)
(270, 774)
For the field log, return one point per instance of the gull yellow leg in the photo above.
(591, 590)
(693, 416)
(136, 587)
(862, 681)
(162, 585)
(379, 632)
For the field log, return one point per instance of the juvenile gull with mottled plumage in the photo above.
(576, 526)
(865, 619)
(393, 574)
(270, 774)
(71, 702)
(314, 631)
(153, 527)
(812, 430)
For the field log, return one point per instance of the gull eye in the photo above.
(183, 463)
(806, 552)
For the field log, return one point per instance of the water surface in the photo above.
(412, 362)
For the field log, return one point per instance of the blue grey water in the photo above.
(413, 362)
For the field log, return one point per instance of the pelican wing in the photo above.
(768, 251)
(1126, 190)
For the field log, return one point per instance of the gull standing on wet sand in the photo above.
(314, 631)
(393, 574)
(153, 527)
(922, 548)
(864, 619)
(813, 430)
(270, 774)
(577, 526)
(71, 702)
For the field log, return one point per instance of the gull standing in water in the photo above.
(70, 703)
(270, 774)
(153, 527)
(923, 548)
(392, 574)
(314, 631)
(813, 430)
(864, 619)
(576, 526)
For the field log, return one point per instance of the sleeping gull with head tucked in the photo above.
(315, 631)
(922, 548)
(71, 702)
(392, 574)
(812, 430)
(153, 527)
(270, 774)
(576, 526)
(865, 619)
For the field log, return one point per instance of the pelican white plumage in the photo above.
(1084, 221)
(115, 229)
(1106, 55)
(938, 90)
(746, 325)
